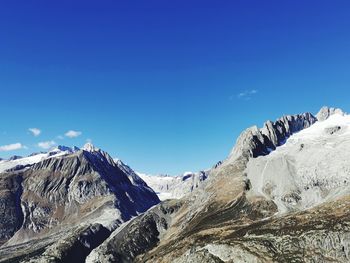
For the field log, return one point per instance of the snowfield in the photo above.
(310, 168)
(174, 187)
(9, 164)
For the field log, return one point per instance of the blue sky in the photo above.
(167, 86)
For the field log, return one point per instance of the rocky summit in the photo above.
(282, 195)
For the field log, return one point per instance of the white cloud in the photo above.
(72, 134)
(46, 145)
(247, 95)
(35, 131)
(60, 137)
(12, 147)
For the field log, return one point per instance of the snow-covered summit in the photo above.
(89, 147)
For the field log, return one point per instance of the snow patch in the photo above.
(30, 160)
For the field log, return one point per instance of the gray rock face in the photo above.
(255, 142)
(325, 112)
(133, 177)
(138, 236)
(11, 216)
(333, 130)
(63, 193)
(73, 248)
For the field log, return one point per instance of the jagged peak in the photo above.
(255, 142)
(89, 147)
(325, 112)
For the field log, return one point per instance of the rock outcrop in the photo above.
(325, 112)
(255, 142)
(137, 236)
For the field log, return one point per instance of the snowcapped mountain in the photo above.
(166, 187)
(312, 167)
(17, 161)
(68, 195)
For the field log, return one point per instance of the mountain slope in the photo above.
(68, 193)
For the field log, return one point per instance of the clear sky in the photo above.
(167, 86)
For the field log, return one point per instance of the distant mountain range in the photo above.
(282, 195)
(174, 187)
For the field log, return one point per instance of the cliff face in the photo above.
(61, 194)
(11, 215)
(255, 142)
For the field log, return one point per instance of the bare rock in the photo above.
(325, 112)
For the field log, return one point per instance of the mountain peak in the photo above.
(325, 112)
(89, 147)
(254, 142)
